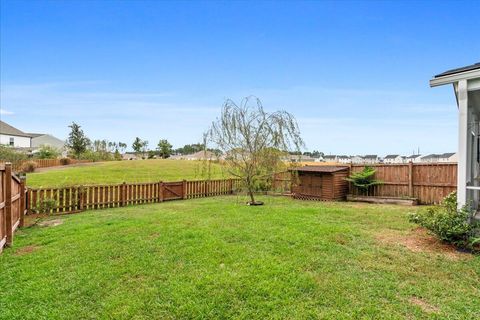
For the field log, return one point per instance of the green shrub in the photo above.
(47, 152)
(28, 167)
(449, 223)
(9, 154)
(46, 205)
(96, 156)
(364, 180)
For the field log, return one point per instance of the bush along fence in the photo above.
(12, 204)
(79, 198)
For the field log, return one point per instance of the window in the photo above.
(11, 142)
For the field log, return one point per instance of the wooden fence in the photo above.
(80, 198)
(427, 182)
(12, 204)
(44, 163)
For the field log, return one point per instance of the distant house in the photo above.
(356, 159)
(41, 139)
(370, 159)
(448, 157)
(431, 158)
(344, 159)
(394, 158)
(14, 137)
(30, 142)
(413, 158)
(200, 155)
(298, 158)
(330, 158)
(129, 156)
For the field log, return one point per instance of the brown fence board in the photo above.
(429, 183)
(12, 204)
(79, 198)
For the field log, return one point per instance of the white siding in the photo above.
(18, 142)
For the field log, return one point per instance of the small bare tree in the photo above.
(253, 141)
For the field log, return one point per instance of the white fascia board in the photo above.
(473, 84)
(451, 78)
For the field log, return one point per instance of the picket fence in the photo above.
(44, 163)
(79, 198)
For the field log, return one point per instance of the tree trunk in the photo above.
(250, 193)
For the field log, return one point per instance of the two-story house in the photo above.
(14, 137)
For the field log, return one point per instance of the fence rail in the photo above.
(43, 163)
(80, 198)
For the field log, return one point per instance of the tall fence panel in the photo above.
(12, 204)
(427, 182)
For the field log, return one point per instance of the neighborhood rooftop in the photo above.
(319, 168)
(7, 129)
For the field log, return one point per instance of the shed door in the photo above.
(311, 185)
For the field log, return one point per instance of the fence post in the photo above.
(230, 186)
(80, 192)
(123, 196)
(410, 179)
(8, 203)
(23, 199)
(161, 191)
(184, 189)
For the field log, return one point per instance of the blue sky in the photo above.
(355, 74)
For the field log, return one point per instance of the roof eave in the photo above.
(455, 77)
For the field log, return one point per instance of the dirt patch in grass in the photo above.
(425, 306)
(26, 250)
(419, 240)
(50, 223)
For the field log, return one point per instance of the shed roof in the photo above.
(327, 169)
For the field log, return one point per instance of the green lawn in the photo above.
(216, 258)
(120, 171)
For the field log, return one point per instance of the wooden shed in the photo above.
(320, 183)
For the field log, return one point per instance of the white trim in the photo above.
(473, 84)
(451, 78)
(462, 142)
(473, 188)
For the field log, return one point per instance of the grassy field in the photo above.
(217, 258)
(120, 171)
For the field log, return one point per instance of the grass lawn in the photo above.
(120, 171)
(217, 258)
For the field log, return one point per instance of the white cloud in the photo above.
(4, 112)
